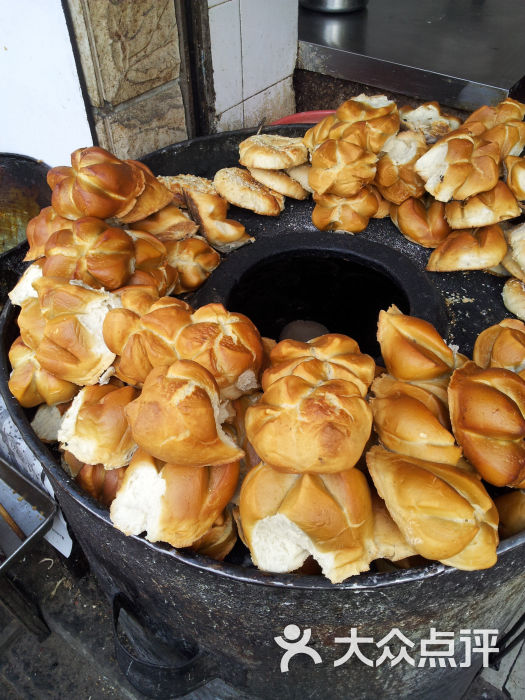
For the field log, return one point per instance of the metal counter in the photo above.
(461, 53)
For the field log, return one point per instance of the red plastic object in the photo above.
(305, 117)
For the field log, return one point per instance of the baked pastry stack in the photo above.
(309, 429)
(227, 344)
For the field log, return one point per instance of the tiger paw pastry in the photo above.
(31, 384)
(94, 428)
(101, 484)
(471, 249)
(91, 251)
(429, 120)
(505, 111)
(177, 416)
(171, 503)
(220, 539)
(288, 517)
(487, 414)
(502, 345)
(40, 228)
(170, 220)
(407, 426)
(443, 512)
(411, 348)
(302, 427)
(364, 107)
(351, 214)
(460, 165)
(511, 509)
(515, 176)
(341, 168)
(193, 259)
(421, 221)
(487, 208)
(101, 185)
(330, 356)
(72, 347)
(396, 178)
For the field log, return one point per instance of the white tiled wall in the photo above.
(254, 50)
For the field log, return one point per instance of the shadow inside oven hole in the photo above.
(327, 288)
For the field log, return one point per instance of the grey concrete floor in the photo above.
(63, 648)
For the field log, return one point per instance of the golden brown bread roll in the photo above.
(220, 539)
(515, 176)
(143, 339)
(272, 152)
(364, 107)
(511, 509)
(176, 417)
(443, 512)
(507, 110)
(227, 344)
(154, 197)
(385, 386)
(72, 347)
(502, 345)
(169, 220)
(92, 252)
(98, 184)
(487, 414)
(389, 542)
(301, 427)
(396, 178)
(101, 484)
(341, 168)
(513, 294)
(459, 166)
(429, 120)
(94, 428)
(371, 135)
(40, 228)
(509, 136)
(31, 384)
(470, 249)
(421, 220)
(412, 349)
(320, 132)
(351, 214)
(342, 353)
(238, 187)
(31, 323)
(287, 517)
(485, 209)
(383, 205)
(193, 259)
(407, 426)
(171, 503)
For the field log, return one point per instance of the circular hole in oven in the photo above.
(324, 287)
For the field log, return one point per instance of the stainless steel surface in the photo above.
(334, 5)
(463, 54)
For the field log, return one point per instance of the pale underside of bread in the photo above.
(280, 546)
(46, 423)
(137, 505)
(24, 289)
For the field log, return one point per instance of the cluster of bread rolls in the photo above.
(447, 186)
(190, 427)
